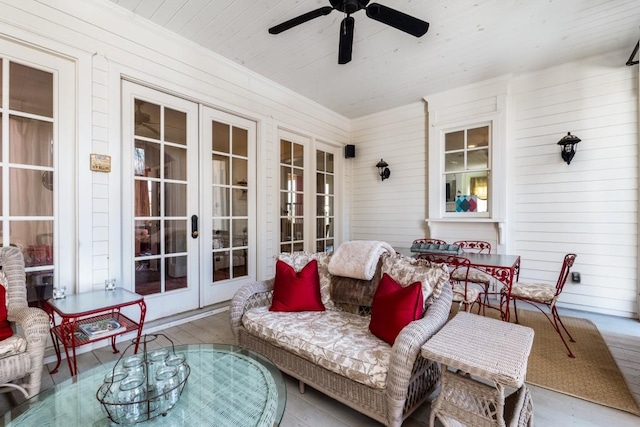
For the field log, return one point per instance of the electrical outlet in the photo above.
(575, 277)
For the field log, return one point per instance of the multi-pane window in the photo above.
(230, 157)
(27, 172)
(325, 197)
(467, 170)
(291, 196)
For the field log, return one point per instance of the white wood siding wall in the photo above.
(591, 206)
(122, 43)
(393, 210)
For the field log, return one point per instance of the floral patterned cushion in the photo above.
(542, 292)
(12, 345)
(340, 342)
(459, 296)
(406, 270)
(298, 260)
(475, 276)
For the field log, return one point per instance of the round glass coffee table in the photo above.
(228, 386)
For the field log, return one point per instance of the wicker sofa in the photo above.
(405, 379)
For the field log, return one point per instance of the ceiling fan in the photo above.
(396, 19)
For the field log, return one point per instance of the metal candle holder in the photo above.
(130, 397)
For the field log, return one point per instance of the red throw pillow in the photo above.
(394, 307)
(296, 291)
(5, 327)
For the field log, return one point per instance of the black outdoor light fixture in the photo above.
(568, 143)
(383, 169)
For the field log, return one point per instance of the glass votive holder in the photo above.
(59, 292)
(110, 284)
(156, 359)
(111, 385)
(167, 383)
(178, 361)
(108, 392)
(134, 365)
(132, 400)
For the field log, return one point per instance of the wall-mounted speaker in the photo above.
(349, 151)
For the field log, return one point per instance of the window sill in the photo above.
(500, 223)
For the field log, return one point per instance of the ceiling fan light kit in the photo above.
(396, 19)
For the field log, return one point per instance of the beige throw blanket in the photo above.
(358, 258)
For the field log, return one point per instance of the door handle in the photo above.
(194, 226)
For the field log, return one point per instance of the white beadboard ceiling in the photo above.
(468, 41)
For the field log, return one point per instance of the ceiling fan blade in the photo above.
(398, 20)
(300, 20)
(346, 40)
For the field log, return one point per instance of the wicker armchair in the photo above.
(22, 370)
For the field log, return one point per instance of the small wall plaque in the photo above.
(100, 163)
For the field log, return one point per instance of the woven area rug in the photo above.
(593, 375)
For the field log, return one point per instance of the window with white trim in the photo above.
(467, 170)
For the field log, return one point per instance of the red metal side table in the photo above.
(78, 309)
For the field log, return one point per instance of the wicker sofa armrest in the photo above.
(256, 294)
(34, 322)
(406, 348)
(35, 325)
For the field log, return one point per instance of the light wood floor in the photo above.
(314, 409)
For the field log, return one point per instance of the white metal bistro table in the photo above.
(471, 346)
(228, 387)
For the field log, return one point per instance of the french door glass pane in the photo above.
(175, 199)
(147, 119)
(30, 90)
(31, 141)
(221, 140)
(146, 156)
(175, 163)
(175, 126)
(39, 201)
(176, 236)
(240, 142)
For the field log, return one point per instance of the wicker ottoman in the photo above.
(480, 357)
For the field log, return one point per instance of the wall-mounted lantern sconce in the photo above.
(383, 169)
(568, 143)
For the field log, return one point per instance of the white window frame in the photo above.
(442, 201)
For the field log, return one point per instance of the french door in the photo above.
(190, 202)
(160, 199)
(307, 193)
(228, 204)
(37, 142)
